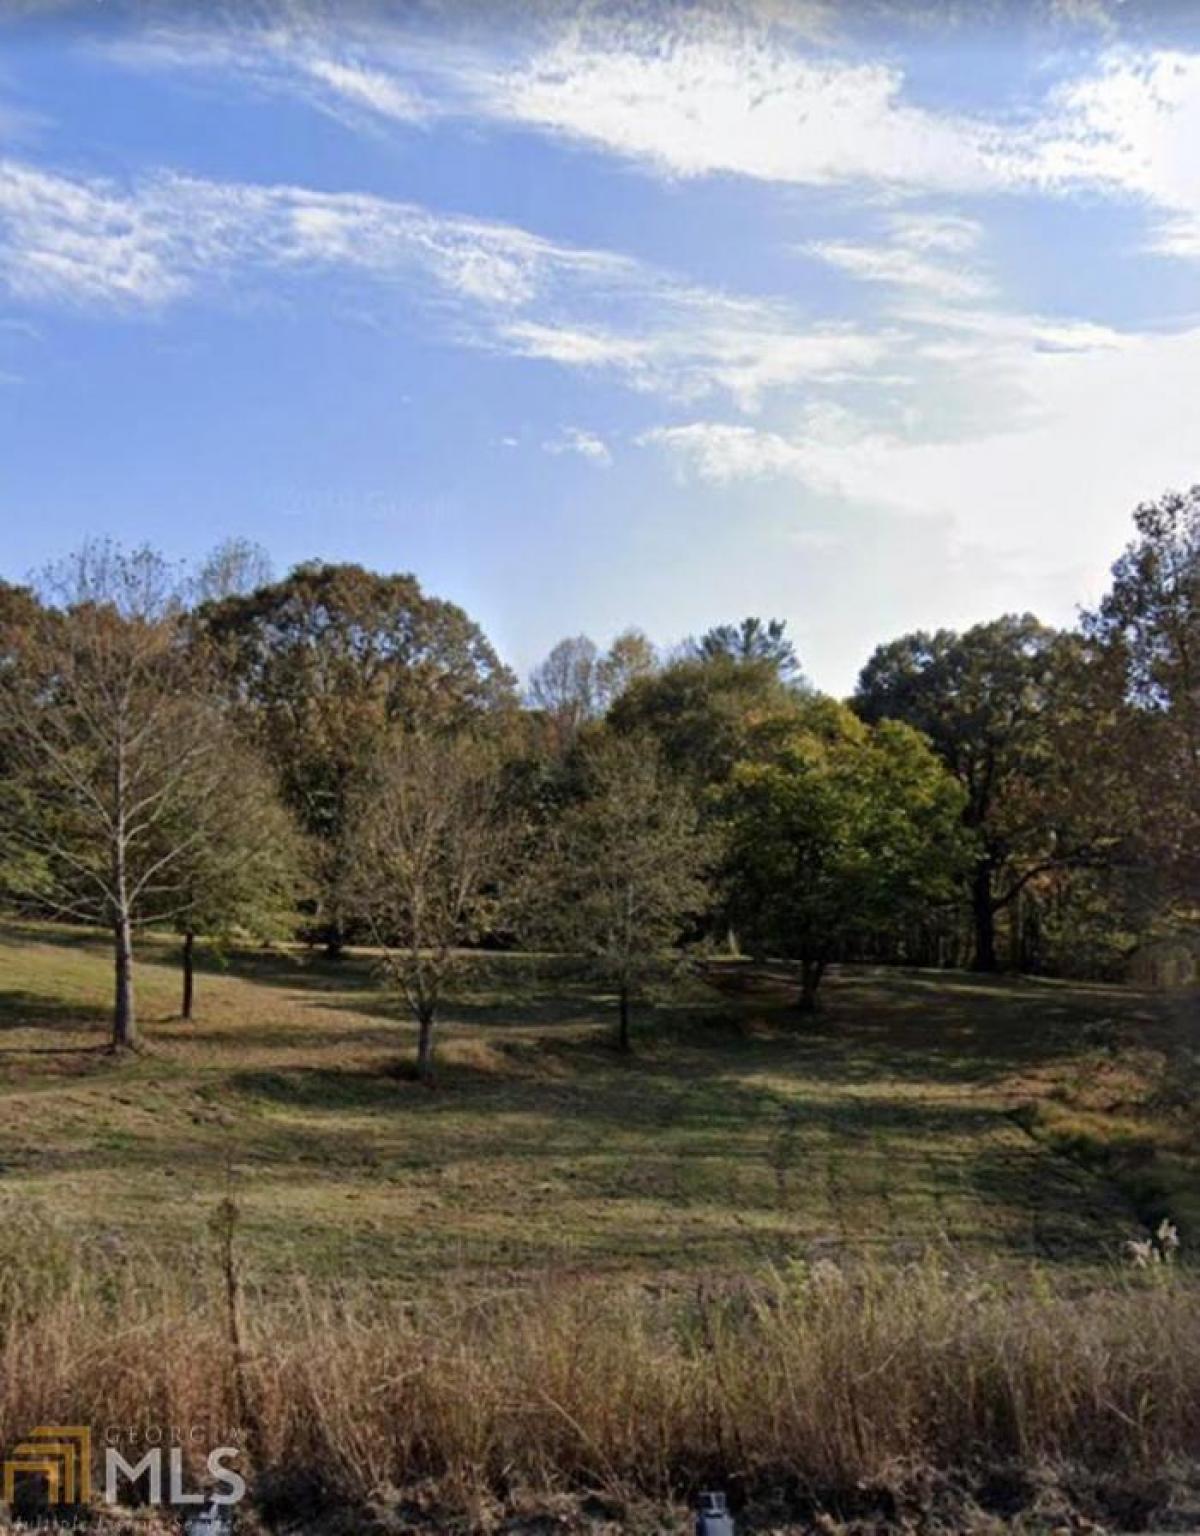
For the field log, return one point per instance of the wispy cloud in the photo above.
(366, 87)
(86, 241)
(166, 237)
(1131, 126)
(926, 252)
(735, 90)
(686, 344)
(713, 100)
(349, 71)
(1052, 474)
(744, 103)
(577, 440)
(723, 452)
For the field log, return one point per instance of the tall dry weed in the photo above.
(809, 1378)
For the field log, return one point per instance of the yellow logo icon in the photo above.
(60, 1453)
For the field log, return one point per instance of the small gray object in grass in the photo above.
(713, 1518)
(213, 1520)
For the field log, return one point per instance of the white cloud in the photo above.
(83, 240)
(709, 100)
(735, 89)
(338, 70)
(577, 348)
(366, 87)
(904, 263)
(1104, 426)
(579, 441)
(1100, 14)
(167, 237)
(721, 452)
(696, 102)
(1132, 126)
(934, 230)
(686, 343)
(690, 90)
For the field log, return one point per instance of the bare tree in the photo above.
(623, 870)
(235, 568)
(576, 684)
(113, 747)
(432, 841)
(567, 689)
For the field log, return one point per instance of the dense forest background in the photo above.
(339, 756)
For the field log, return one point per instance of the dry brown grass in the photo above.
(563, 1281)
(813, 1385)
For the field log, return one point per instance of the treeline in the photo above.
(341, 756)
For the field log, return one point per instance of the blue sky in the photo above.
(869, 318)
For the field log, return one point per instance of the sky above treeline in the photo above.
(869, 317)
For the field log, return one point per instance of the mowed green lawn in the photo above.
(912, 1111)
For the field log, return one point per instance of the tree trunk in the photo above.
(1016, 941)
(124, 1031)
(623, 1041)
(189, 974)
(983, 912)
(125, 1034)
(811, 972)
(425, 1048)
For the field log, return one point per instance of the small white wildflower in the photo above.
(825, 1273)
(1167, 1237)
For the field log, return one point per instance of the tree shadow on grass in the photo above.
(1068, 1212)
(942, 1028)
(24, 1010)
(615, 1094)
(323, 1088)
(726, 1148)
(18, 933)
(948, 1029)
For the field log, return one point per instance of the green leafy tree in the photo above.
(707, 715)
(325, 664)
(1141, 716)
(753, 639)
(846, 833)
(22, 866)
(628, 659)
(622, 872)
(243, 871)
(986, 699)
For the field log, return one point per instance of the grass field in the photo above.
(1006, 1117)
(564, 1289)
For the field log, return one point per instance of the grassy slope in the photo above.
(731, 1139)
